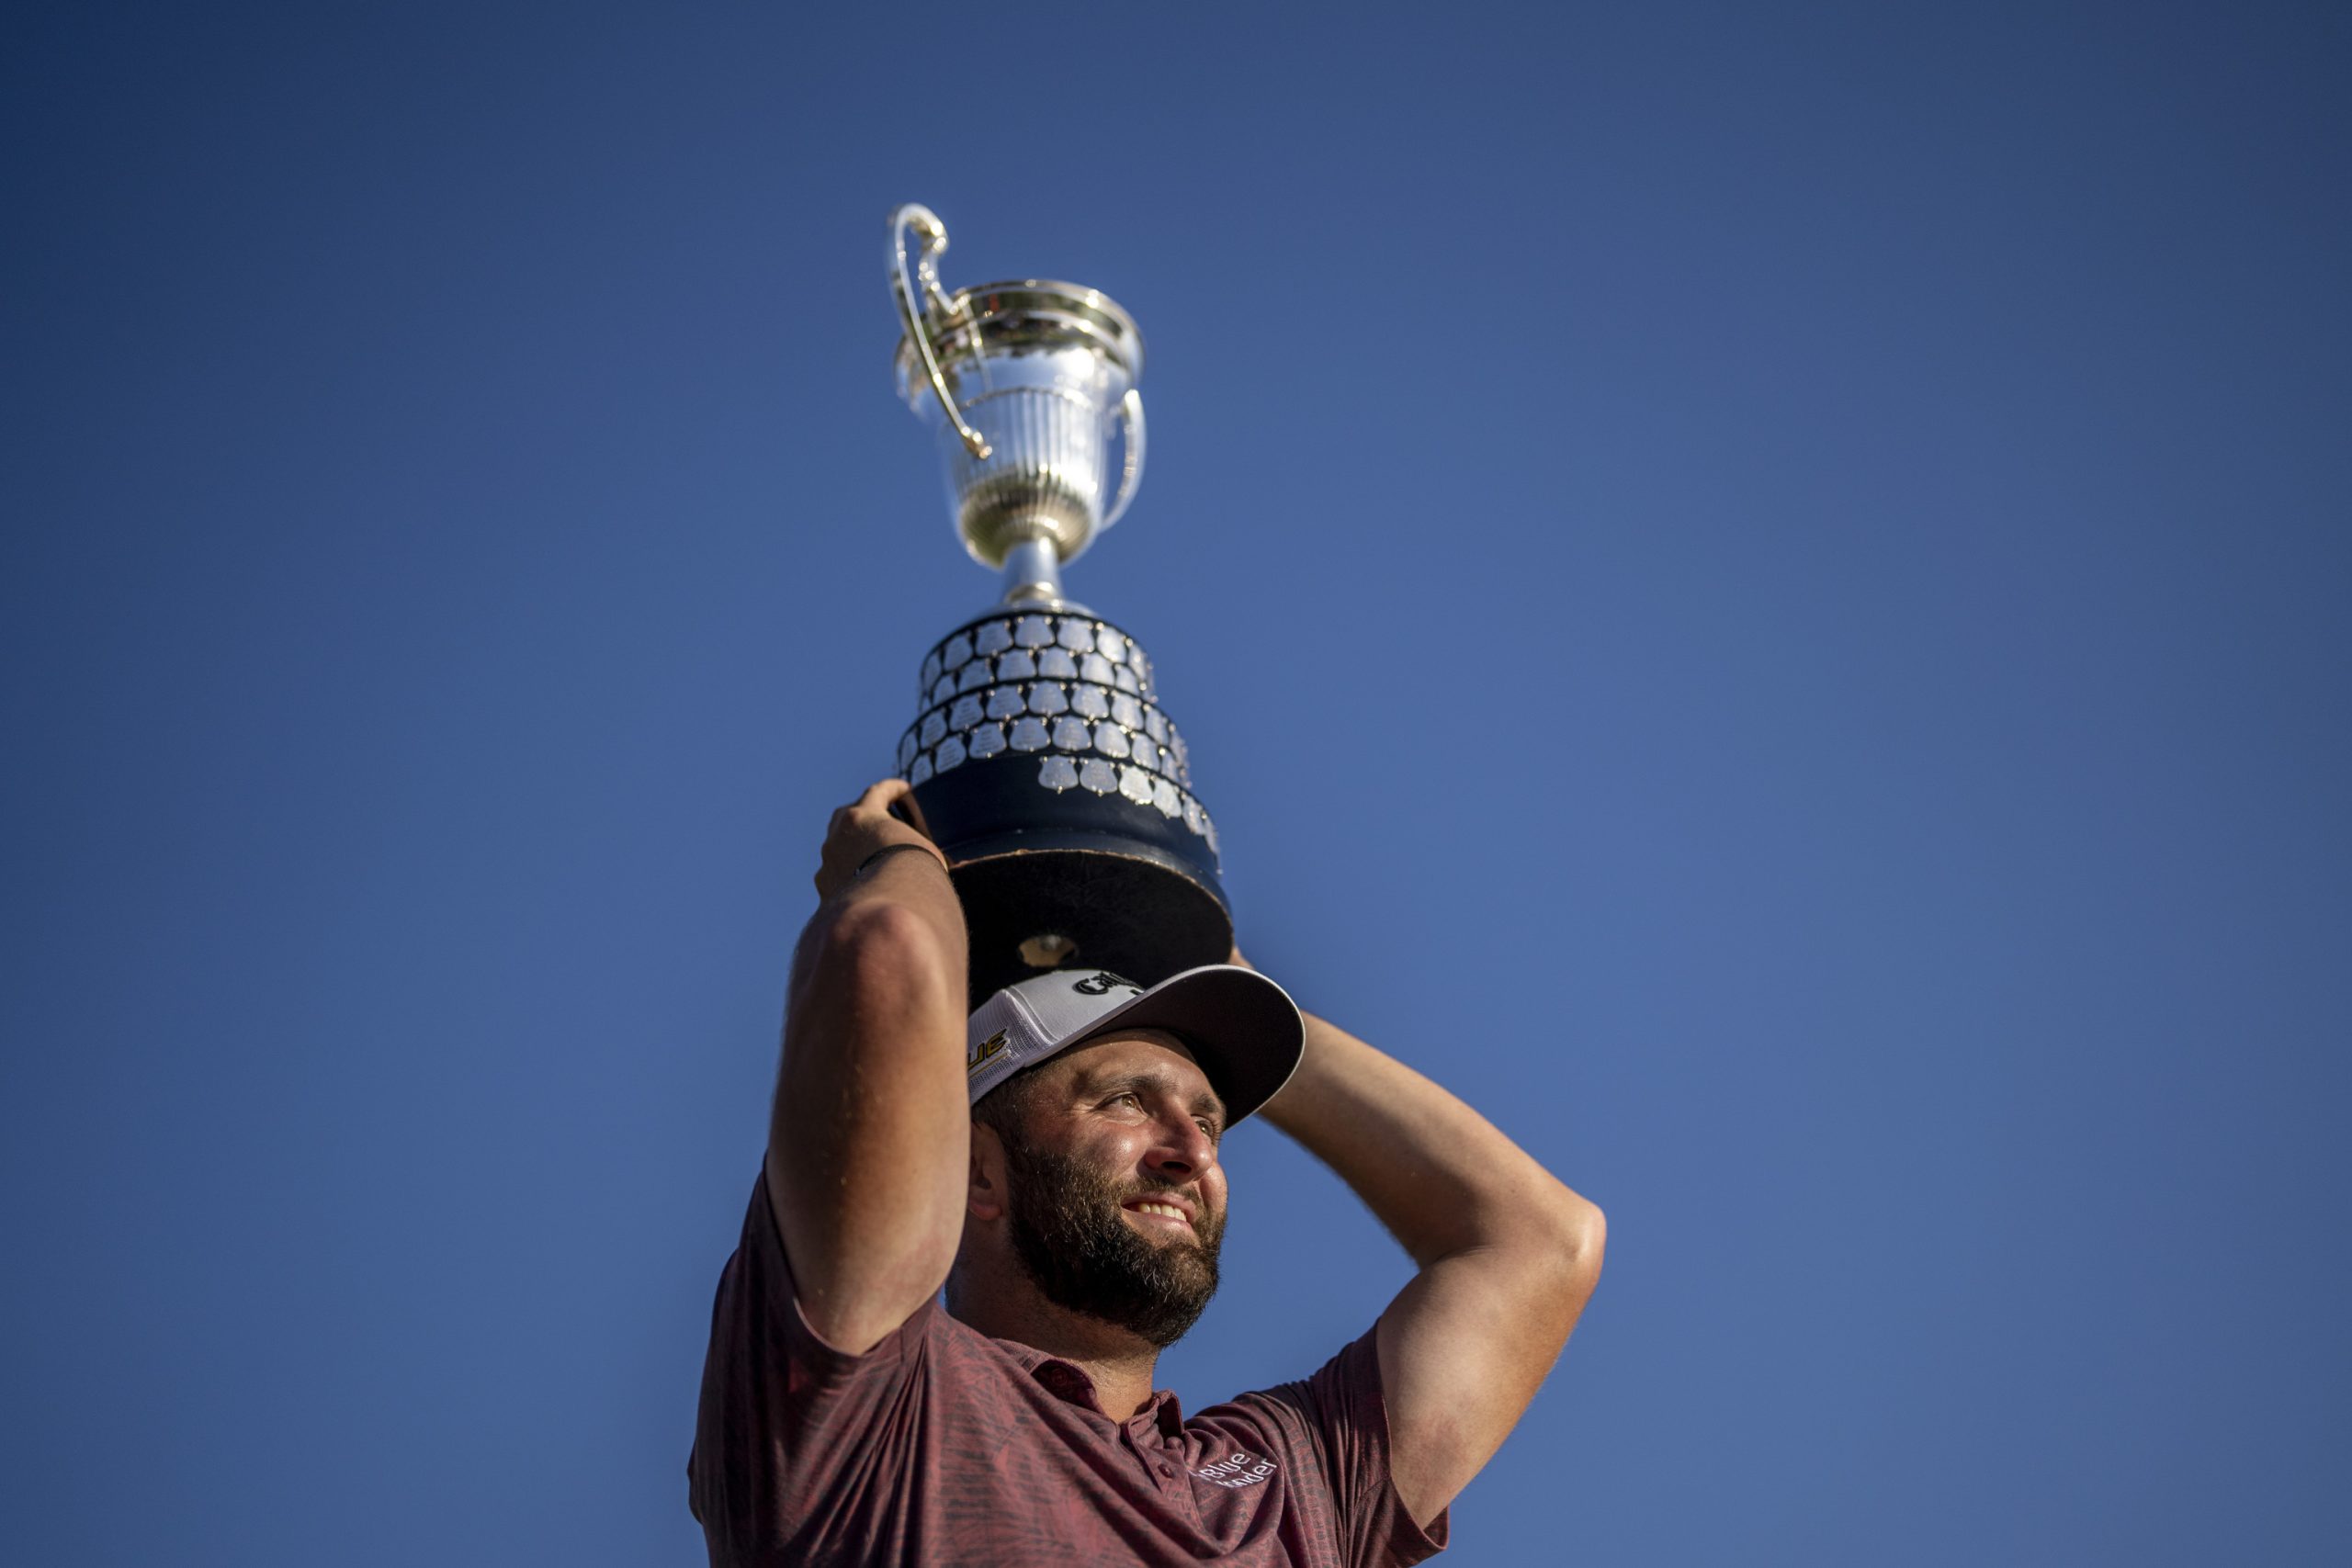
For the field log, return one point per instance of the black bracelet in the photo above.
(867, 863)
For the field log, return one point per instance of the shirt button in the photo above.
(1169, 1471)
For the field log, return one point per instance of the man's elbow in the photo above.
(1575, 1237)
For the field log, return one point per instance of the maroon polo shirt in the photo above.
(943, 1448)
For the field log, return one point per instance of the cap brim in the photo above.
(1242, 1028)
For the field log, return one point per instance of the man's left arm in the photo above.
(1507, 1255)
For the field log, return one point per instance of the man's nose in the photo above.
(1183, 1149)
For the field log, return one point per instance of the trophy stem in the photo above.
(1033, 571)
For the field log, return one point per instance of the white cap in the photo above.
(1241, 1028)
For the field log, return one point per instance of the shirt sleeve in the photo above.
(1335, 1424)
(781, 1410)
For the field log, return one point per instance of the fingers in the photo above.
(909, 809)
(884, 794)
(885, 797)
(891, 797)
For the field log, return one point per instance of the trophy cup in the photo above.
(1043, 765)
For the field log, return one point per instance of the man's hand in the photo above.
(869, 823)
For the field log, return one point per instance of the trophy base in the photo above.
(1039, 900)
(1045, 769)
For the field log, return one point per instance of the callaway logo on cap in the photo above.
(1241, 1028)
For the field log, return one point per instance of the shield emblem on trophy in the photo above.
(1045, 763)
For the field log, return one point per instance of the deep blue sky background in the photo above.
(1761, 590)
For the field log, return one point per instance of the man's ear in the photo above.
(985, 1196)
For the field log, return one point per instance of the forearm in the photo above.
(1441, 1176)
(876, 995)
(866, 1150)
(1508, 1256)
(904, 898)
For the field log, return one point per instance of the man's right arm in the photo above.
(1507, 1255)
(869, 1141)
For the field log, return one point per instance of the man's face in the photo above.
(1117, 1203)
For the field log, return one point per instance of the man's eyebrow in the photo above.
(1205, 1103)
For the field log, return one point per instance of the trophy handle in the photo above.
(1131, 459)
(925, 223)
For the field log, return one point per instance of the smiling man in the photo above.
(1052, 1162)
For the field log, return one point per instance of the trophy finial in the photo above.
(1028, 382)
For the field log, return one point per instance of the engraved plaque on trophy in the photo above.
(1043, 761)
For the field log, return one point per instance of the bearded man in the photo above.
(1052, 1162)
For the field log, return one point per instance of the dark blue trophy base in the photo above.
(1061, 791)
(1097, 870)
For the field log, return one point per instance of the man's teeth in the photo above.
(1168, 1209)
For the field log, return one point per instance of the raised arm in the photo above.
(870, 1134)
(1507, 1255)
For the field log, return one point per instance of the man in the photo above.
(1052, 1161)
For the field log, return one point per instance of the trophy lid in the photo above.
(1021, 316)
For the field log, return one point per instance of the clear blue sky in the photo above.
(1761, 590)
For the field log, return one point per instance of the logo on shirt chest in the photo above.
(1238, 1471)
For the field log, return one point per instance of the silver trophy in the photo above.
(1042, 760)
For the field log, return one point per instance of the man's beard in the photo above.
(1072, 1242)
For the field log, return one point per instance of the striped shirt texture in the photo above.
(944, 1448)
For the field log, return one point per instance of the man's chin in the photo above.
(1085, 1250)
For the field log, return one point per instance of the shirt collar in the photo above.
(1069, 1382)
